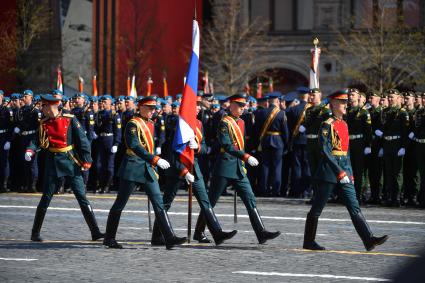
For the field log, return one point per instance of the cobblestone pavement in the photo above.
(68, 255)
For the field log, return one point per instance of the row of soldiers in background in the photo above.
(387, 140)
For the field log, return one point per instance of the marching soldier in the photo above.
(374, 161)
(334, 172)
(68, 152)
(138, 167)
(410, 168)
(314, 116)
(109, 132)
(359, 126)
(229, 168)
(6, 119)
(271, 133)
(176, 177)
(395, 123)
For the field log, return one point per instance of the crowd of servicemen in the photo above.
(386, 133)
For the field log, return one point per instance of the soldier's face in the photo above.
(105, 104)
(176, 110)
(315, 98)
(393, 100)
(146, 111)
(339, 107)
(1, 99)
(236, 109)
(27, 99)
(79, 101)
(353, 98)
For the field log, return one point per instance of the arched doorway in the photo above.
(284, 80)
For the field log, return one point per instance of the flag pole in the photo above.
(189, 209)
(149, 215)
(235, 212)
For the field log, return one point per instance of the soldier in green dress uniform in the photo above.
(67, 154)
(334, 172)
(359, 126)
(229, 168)
(394, 132)
(138, 167)
(419, 138)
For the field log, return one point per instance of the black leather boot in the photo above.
(199, 234)
(310, 233)
(111, 230)
(38, 222)
(214, 226)
(91, 222)
(262, 234)
(157, 238)
(362, 228)
(171, 239)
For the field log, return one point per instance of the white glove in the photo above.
(209, 150)
(381, 152)
(158, 151)
(163, 164)
(378, 133)
(28, 156)
(6, 146)
(367, 150)
(401, 152)
(17, 130)
(189, 178)
(301, 129)
(114, 149)
(193, 144)
(94, 136)
(411, 135)
(345, 180)
(252, 161)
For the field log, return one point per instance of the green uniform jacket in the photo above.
(395, 122)
(331, 167)
(138, 165)
(68, 163)
(359, 123)
(230, 160)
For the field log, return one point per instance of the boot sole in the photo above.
(377, 244)
(182, 241)
(228, 237)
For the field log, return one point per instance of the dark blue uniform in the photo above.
(6, 119)
(27, 121)
(271, 147)
(300, 172)
(108, 128)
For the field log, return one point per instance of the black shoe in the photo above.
(97, 236)
(375, 241)
(262, 234)
(221, 236)
(112, 244)
(91, 222)
(171, 239)
(313, 246)
(36, 238)
(174, 241)
(201, 238)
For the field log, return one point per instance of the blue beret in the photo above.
(215, 105)
(121, 98)
(57, 92)
(129, 98)
(15, 96)
(303, 89)
(175, 104)
(28, 92)
(49, 98)
(94, 98)
(179, 95)
(6, 99)
(65, 98)
(168, 97)
(1, 92)
(158, 107)
(251, 99)
(263, 98)
(274, 94)
(37, 98)
(81, 94)
(290, 96)
(105, 97)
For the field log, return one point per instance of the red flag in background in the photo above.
(80, 84)
(94, 85)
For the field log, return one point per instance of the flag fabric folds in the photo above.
(165, 93)
(133, 91)
(80, 84)
(94, 85)
(59, 85)
(314, 68)
(186, 124)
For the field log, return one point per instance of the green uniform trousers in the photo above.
(392, 169)
(375, 169)
(127, 187)
(173, 184)
(241, 186)
(357, 163)
(410, 172)
(420, 158)
(52, 183)
(346, 193)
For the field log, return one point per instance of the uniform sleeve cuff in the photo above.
(245, 157)
(183, 172)
(155, 160)
(86, 165)
(341, 175)
(30, 151)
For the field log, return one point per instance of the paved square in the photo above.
(68, 255)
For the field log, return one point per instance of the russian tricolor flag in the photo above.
(186, 124)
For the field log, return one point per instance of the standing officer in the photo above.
(109, 132)
(375, 166)
(419, 138)
(229, 168)
(271, 132)
(360, 128)
(334, 172)
(68, 152)
(300, 174)
(6, 119)
(138, 167)
(27, 126)
(395, 124)
(314, 116)
(178, 176)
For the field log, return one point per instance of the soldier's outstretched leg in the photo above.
(38, 222)
(310, 233)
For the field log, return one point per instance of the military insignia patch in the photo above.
(78, 125)
(133, 131)
(325, 132)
